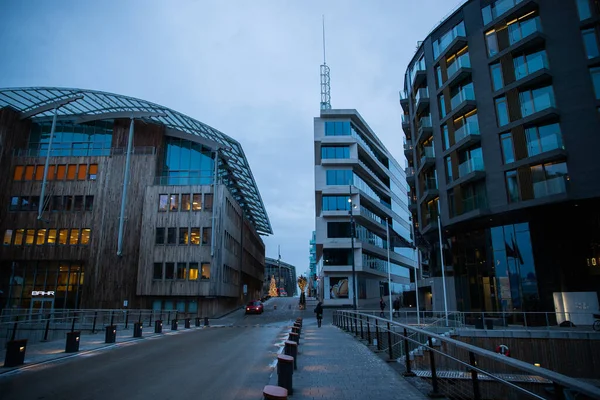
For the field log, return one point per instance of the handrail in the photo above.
(555, 377)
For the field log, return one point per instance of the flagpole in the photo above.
(387, 230)
(442, 261)
(418, 257)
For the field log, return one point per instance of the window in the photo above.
(18, 175)
(470, 160)
(449, 177)
(466, 125)
(157, 272)
(438, 74)
(549, 179)
(15, 203)
(185, 202)
(492, 42)
(197, 202)
(52, 236)
(208, 201)
(171, 235)
(339, 177)
(163, 202)
(74, 237)
(169, 270)
(502, 111)
(39, 173)
(583, 8)
(51, 171)
(174, 202)
(195, 236)
(536, 100)
(507, 148)
(82, 172)
(206, 235)
(68, 203)
(8, 234)
(512, 187)
(19, 237)
(474, 196)
(205, 271)
(496, 73)
(460, 93)
(595, 73)
(335, 152)
(523, 27)
(93, 172)
(446, 137)
(336, 203)
(590, 42)
(63, 235)
(338, 229)
(41, 237)
(341, 128)
(61, 172)
(496, 9)
(30, 236)
(160, 236)
(71, 170)
(181, 270)
(459, 60)
(29, 172)
(78, 203)
(442, 105)
(184, 238)
(24, 204)
(543, 138)
(530, 63)
(193, 274)
(89, 203)
(85, 236)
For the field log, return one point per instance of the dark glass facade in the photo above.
(187, 163)
(70, 139)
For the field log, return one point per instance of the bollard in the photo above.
(126, 319)
(271, 392)
(368, 331)
(137, 330)
(187, 323)
(110, 335)
(294, 336)
(206, 321)
(291, 349)
(285, 369)
(197, 321)
(15, 353)
(295, 329)
(72, 345)
(158, 326)
(46, 329)
(94, 324)
(299, 328)
(174, 325)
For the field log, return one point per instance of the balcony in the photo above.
(430, 223)
(507, 10)
(412, 204)
(403, 100)
(469, 171)
(427, 158)
(420, 76)
(461, 103)
(410, 175)
(422, 100)
(465, 136)
(458, 71)
(408, 148)
(425, 129)
(549, 187)
(406, 123)
(430, 190)
(521, 40)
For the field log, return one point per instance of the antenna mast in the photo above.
(325, 87)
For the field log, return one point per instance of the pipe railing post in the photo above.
(361, 328)
(112, 317)
(377, 334)
(368, 331)
(46, 329)
(150, 319)
(73, 322)
(126, 318)
(407, 355)
(391, 350)
(434, 379)
(94, 323)
(474, 378)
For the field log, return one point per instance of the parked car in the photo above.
(254, 307)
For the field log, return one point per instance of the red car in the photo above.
(254, 307)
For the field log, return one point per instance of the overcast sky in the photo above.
(247, 68)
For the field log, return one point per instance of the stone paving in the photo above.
(332, 364)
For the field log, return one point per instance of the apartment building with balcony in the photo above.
(360, 189)
(501, 116)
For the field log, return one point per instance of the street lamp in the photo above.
(352, 229)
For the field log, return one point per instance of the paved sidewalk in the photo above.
(332, 364)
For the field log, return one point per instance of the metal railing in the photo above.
(53, 324)
(456, 369)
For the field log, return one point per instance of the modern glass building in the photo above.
(501, 113)
(359, 189)
(284, 274)
(128, 204)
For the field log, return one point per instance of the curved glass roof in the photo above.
(238, 179)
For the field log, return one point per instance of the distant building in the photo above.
(312, 278)
(285, 276)
(356, 178)
(131, 215)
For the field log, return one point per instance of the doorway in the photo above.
(41, 307)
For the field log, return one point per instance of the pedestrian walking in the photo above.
(319, 312)
(381, 306)
(396, 307)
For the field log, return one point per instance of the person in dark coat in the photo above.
(319, 312)
(382, 306)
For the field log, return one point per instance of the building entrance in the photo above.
(41, 306)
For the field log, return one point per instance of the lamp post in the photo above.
(442, 262)
(352, 233)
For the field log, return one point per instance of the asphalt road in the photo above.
(229, 362)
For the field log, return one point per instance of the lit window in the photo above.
(61, 172)
(30, 236)
(39, 173)
(71, 171)
(41, 237)
(51, 171)
(18, 175)
(181, 270)
(163, 202)
(93, 172)
(29, 172)
(74, 237)
(174, 202)
(82, 172)
(85, 236)
(184, 236)
(51, 236)
(195, 236)
(8, 234)
(19, 237)
(63, 235)
(185, 202)
(205, 271)
(590, 41)
(193, 274)
(197, 202)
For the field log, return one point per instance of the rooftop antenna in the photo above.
(325, 87)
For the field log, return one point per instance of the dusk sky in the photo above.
(247, 68)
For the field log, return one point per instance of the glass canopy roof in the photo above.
(239, 178)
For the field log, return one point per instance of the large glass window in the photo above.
(507, 148)
(502, 111)
(338, 229)
(470, 160)
(70, 139)
(496, 9)
(187, 163)
(474, 196)
(337, 256)
(339, 177)
(530, 63)
(496, 73)
(549, 179)
(491, 41)
(512, 186)
(193, 274)
(196, 201)
(536, 100)
(590, 41)
(85, 236)
(335, 152)
(583, 8)
(466, 125)
(157, 272)
(337, 128)
(595, 73)
(543, 138)
(336, 203)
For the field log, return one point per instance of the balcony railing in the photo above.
(403, 95)
(405, 119)
(549, 187)
(410, 172)
(461, 62)
(422, 93)
(430, 184)
(466, 93)
(496, 9)
(470, 128)
(471, 165)
(425, 122)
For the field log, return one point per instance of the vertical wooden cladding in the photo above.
(514, 106)
(507, 68)
(458, 200)
(519, 142)
(443, 70)
(447, 103)
(525, 183)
